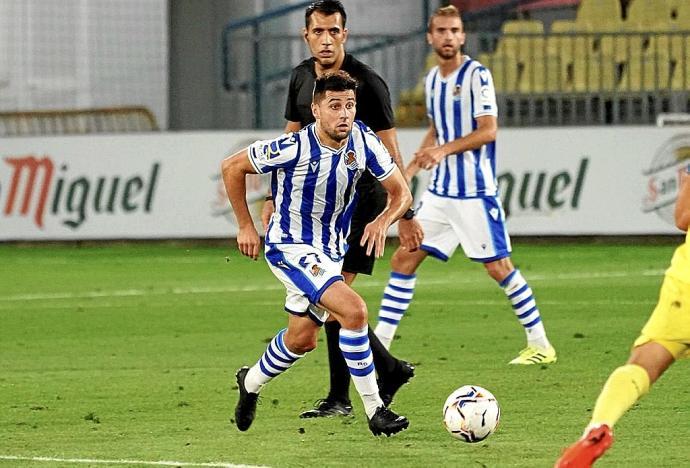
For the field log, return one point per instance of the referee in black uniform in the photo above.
(325, 34)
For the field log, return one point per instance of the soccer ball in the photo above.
(471, 413)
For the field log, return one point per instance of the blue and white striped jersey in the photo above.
(453, 104)
(313, 185)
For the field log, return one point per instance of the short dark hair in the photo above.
(333, 81)
(326, 7)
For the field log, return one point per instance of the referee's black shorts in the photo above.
(372, 201)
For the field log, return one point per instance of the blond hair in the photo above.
(447, 11)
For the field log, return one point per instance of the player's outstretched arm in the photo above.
(235, 169)
(399, 200)
(682, 212)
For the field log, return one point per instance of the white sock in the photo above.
(396, 299)
(522, 300)
(354, 344)
(275, 360)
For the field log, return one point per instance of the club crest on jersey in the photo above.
(457, 92)
(316, 271)
(351, 160)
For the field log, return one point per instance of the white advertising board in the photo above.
(567, 181)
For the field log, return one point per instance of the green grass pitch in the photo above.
(128, 352)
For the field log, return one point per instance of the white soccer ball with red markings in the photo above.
(471, 413)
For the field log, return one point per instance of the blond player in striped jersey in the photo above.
(665, 338)
(461, 205)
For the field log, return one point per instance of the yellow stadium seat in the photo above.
(645, 72)
(503, 69)
(563, 46)
(593, 74)
(534, 77)
(522, 26)
(648, 14)
(643, 48)
(682, 21)
(582, 60)
(680, 58)
(519, 56)
(600, 15)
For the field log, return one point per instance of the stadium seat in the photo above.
(643, 51)
(645, 72)
(680, 61)
(680, 45)
(596, 69)
(682, 10)
(600, 15)
(504, 70)
(649, 14)
(562, 48)
(519, 56)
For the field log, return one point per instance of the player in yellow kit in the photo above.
(664, 338)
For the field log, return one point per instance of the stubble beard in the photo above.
(446, 55)
(338, 135)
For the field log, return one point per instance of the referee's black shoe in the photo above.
(392, 383)
(386, 422)
(246, 405)
(326, 407)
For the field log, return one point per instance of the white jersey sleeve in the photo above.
(281, 152)
(483, 93)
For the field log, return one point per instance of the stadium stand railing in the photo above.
(601, 67)
(257, 62)
(77, 121)
(597, 69)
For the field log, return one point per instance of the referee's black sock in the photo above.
(386, 364)
(340, 374)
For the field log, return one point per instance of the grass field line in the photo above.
(95, 461)
(275, 286)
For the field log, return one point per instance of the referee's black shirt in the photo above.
(373, 100)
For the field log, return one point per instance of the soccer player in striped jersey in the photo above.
(664, 338)
(461, 205)
(313, 177)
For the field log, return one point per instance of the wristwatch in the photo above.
(409, 214)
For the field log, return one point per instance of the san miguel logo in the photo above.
(543, 192)
(663, 177)
(38, 188)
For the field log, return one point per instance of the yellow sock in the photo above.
(624, 387)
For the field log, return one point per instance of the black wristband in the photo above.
(269, 198)
(409, 214)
